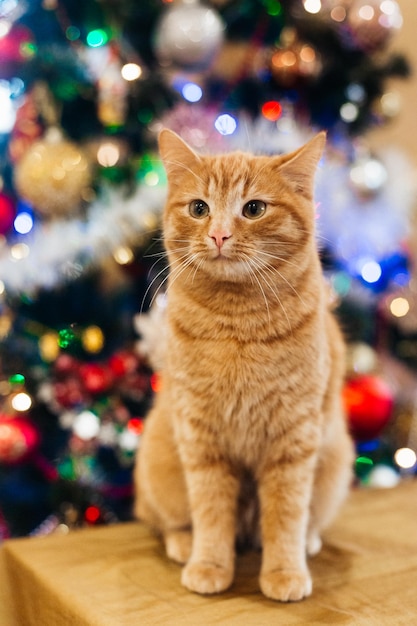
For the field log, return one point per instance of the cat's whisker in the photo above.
(248, 263)
(274, 270)
(261, 269)
(176, 272)
(164, 269)
(200, 263)
(277, 258)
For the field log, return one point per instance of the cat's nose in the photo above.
(219, 237)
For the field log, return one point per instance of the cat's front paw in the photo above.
(206, 578)
(286, 585)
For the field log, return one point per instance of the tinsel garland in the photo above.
(63, 249)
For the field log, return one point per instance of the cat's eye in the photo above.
(254, 209)
(198, 209)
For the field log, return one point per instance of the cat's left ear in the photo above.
(300, 166)
(176, 155)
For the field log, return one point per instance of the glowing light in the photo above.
(338, 14)
(405, 458)
(123, 255)
(272, 110)
(192, 92)
(307, 54)
(97, 38)
(72, 33)
(156, 383)
(49, 347)
(391, 15)
(371, 271)
(355, 92)
(151, 179)
(2, 287)
(93, 339)
(399, 307)
(312, 6)
(135, 425)
(92, 514)
(108, 154)
(66, 337)
(371, 174)
(128, 440)
(366, 12)
(349, 112)
(23, 223)
(8, 113)
(17, 379)
(19, 251)
(225, 124)
(5, 27)
(21, 402)
(131, 71)
(86, 425)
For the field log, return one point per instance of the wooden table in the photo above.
(119, 576)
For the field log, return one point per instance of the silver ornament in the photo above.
(189, 35)
(368, 176)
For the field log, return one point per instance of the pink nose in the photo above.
(219, 237)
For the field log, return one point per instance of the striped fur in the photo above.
(247, 439)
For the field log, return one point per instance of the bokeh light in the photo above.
(225, 124)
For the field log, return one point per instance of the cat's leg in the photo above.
(161, 496)
(285, 486)
(213, 491)
(333, 478)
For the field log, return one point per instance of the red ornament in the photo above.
(96, 378)
(18, 439)
(7, 213)
(69, 392)
(123, 362)
(368, 401)
(66, 364)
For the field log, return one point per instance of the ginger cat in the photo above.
(247, 436)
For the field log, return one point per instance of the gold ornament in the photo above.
(53, 175)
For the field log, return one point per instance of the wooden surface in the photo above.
(119, 576)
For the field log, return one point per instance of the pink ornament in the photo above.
(7, 213)
(18, 439)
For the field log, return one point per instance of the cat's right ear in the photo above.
(176, 155)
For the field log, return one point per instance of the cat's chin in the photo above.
(224, 268)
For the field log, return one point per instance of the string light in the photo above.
(192, 92)
(225, 124)
(371, 271)
(123, 255)
(405, 458)
(97, 38)
(21, 402)
(272, 110)
(23, 223)
(399, 307)
(312, 6)
(86, 425)
(108, 154)
(131, 71)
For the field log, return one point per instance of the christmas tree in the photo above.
(84, 90)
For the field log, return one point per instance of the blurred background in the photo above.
(84, 90)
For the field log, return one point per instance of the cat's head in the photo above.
(235, 216)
